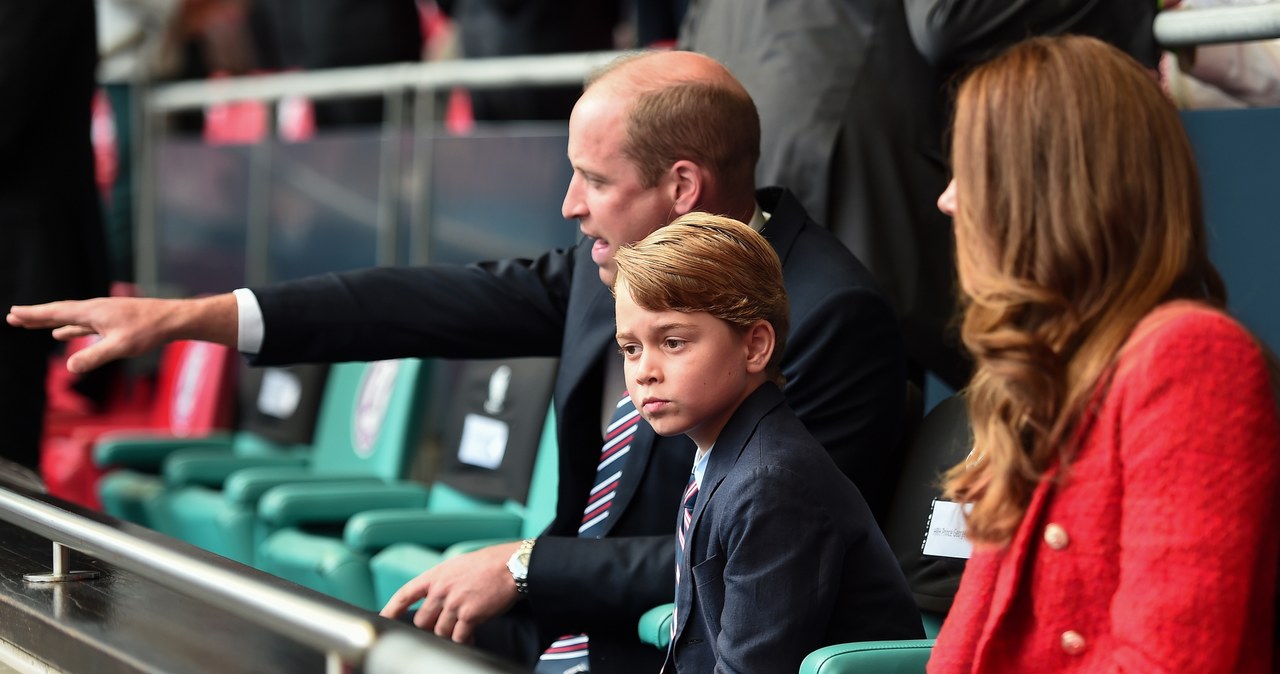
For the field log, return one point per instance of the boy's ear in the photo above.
(760, 342)
(687, 184)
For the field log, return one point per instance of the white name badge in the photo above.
(484, 441)
(945, 535)
(280, 393)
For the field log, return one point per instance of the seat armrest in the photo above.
(655, 626)
(375, 530)
(908, 656)
(293, 504)
(246, 487)
(148, 453)
(212, 468)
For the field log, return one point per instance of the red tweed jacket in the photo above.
(1156, 550)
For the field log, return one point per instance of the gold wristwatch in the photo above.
(518, 565)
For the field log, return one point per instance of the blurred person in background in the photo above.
(323, 34)
(51, 235)
(853, 105)
(487, 28)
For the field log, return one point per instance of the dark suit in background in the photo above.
(782, 555)
(953, 34)
(851, 120)
(320, 34)
(854, 116)
(51, 239)
(843, 364)
(488, 28)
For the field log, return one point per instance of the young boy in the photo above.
(777, 553)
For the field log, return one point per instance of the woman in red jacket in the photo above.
(1123, 482)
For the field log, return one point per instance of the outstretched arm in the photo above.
(130, 326)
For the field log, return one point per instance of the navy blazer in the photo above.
(782, 555)
(843, 362)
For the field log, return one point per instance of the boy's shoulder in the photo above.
(774, 450)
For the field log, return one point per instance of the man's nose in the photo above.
(573, 207)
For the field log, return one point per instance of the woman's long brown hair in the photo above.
(1078, 212)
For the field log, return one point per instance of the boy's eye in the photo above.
(673, 343)
(629, 350)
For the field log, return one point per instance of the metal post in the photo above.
(388, 237)
(424, 130)
(61, 562)
(333, 663)
(257, 262)
(146, 234)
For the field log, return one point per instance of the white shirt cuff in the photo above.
(249, 336)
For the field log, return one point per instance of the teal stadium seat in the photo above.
(276, 417)
(909, 656)
(322, 536)
(368, 427)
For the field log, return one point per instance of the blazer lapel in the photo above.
(785, 219)
(593, 324)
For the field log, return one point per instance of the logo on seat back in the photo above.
(187, 389)
(499, 382)
(371, 405)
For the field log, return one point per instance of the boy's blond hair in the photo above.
(713, 264)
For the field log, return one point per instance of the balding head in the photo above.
(686, 106)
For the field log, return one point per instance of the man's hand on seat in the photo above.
(459, 594)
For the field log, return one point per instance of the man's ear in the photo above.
(687, 184)
(760, 340)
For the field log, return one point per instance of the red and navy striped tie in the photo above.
(682, 532)
(569, 652)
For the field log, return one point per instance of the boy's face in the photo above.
(687, 373)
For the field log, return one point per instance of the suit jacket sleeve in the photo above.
(508, 308)
(1199, 452)
(627, 576)
(956, 32)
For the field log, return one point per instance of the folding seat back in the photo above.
(276, 417)
(370, 418)
(194, 397)
(279, 406)
(491, 430)
(367, 428)
(941, 441)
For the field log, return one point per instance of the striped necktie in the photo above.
(682, 532)
(569, 653)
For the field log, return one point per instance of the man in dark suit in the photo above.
(650, 139)
(51, 237)
(853, 101)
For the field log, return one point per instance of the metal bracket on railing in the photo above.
(61, 560)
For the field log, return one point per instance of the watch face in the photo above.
(518, 565)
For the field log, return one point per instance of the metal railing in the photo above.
(403, 86)
(1214, 25)
(346, 637)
